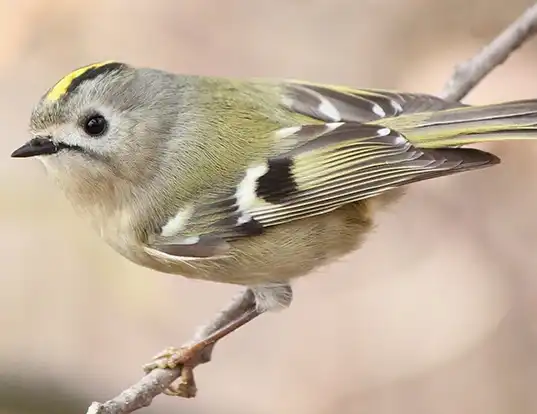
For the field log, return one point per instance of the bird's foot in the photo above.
(199, 351)
(187, 357)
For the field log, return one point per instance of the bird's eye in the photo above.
(95, 125)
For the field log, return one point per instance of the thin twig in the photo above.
(466, 76)
(157, 381)
(138, 395)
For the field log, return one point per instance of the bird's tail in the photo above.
(469, 124)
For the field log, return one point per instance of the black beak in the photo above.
(36, 146)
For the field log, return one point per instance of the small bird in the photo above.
(253, 182)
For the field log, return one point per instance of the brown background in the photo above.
(436, 314)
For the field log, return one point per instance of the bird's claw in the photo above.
(171, 358)
(185, 386)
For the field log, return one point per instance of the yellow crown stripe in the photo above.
(61, 87)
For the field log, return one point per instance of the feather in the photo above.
(348, 163)
(349, 145)
(335, 103)
(460, 126)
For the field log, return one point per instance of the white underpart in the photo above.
(286, 132)
(378, 110)
(177, 223)
(328, 109)
(245, 193)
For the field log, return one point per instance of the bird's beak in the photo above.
(36, 146)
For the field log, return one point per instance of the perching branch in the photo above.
(157, 381)
(466, 76)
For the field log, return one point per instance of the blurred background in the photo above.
(436, 314)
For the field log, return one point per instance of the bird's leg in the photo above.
(241, 310)
(243, 302)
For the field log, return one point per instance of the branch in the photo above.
(466, 76)
(157, 381)
(138, 395)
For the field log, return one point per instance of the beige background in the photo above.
(436, 314)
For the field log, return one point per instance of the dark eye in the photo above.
(95, 125)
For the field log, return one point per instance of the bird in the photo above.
(252, 182)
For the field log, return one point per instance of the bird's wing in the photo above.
(342, 104)
(333, 164)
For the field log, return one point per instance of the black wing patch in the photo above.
(278, 182)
